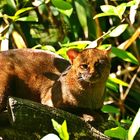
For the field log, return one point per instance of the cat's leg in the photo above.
(4, 89)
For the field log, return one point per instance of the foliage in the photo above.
(58, 25)
(61, 129)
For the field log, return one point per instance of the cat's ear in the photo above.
(72, 54)
(108, 50)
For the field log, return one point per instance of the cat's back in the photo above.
(32, 60)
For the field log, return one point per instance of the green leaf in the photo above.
(120, 9)
(12, 4)
(27, 19)
(118, 132)
(126, 56)
(111, 85)
(56, 126)
(77, 43)
(62, 52)
(61, 129)
(81, 13)
(134, 127)
(103, 15)
(118, 30)
(65, 132)
(118, 81)
(63, 7)
(110, 109)
(23, 10)
(46, 47)
(133, 10)
(131, 3)
(108, 9)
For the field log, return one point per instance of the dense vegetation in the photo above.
(58, 25)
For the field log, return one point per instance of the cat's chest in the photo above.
(90, 97)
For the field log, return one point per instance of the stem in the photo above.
(131, 83)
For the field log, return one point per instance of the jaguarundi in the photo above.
(47, 78)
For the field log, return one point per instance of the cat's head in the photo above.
(90, 65)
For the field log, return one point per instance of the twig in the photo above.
(131, 83)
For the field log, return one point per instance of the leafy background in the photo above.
(58, 25)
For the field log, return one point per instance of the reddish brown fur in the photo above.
(40, 76)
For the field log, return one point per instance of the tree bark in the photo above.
(34, 121)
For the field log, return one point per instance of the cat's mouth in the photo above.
(90, 78)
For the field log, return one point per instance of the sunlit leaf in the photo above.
(63, 7)
(108, 9)
(81, 13)
(111, 85)
(76, 43)
(118, 81)
(46, 47)
(62, 52)
(126, 56)
(133, 11)
(118, 132)
(18, 40)
(23, 10)
(118, 30)
(134, 127)
(65, 132)
(93, 44)
(5, 42)
(27, 19)
(37, 2)
(120, 9)
(61, 129)
(56, 126)
(103, 15)
(110, 109)
(132, 3)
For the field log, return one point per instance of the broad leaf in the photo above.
(133, 10)
(126, 56)
(81, 13)
(104, 14)
(56, 126)
(65, 132)
(111, 85)
(120, 9)
(12, 4)
(110, 109)
(61, 129)
(23, 10)
(134, 127)
(132, 3)
(77, 43)
(118, 132)
(118, 81)
(108, 9)
(27, 19)
(63, 7)
(118, 30)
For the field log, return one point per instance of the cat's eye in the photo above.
(84, 66)
(99, 63)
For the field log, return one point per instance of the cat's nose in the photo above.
(91, 70)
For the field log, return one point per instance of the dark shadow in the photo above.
(61, 64)
(51, 76)
(57, 93)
